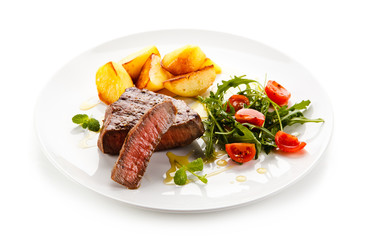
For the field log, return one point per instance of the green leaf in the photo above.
(195, 165)
(85, 124)
(80, 118)
(236, 81)
(246, 133)
(208, 139)
(303, 120)
(180, 177)
(265, 130)
(300, 106)
(246, 136)
(93, 125)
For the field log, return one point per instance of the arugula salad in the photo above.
(248, 122)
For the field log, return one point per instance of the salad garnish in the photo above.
(260, 119)
(180, 177)
(86, 122)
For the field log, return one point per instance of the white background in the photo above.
(39, 37)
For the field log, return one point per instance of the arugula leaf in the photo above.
(300, 106)
(236, 81)
(247, 137)
(208, 138)
(302, 120)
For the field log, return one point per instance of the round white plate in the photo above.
(75, 83)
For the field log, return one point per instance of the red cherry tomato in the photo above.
(240, 152)
(288, 143)
(248, 115)
(237, 101)
(277, 93)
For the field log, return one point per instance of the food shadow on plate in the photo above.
(77, 130)
(106, 163)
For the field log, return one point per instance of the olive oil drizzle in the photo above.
(261, 170)
(211, 174)
(89, 103)
(84, 142)
(177, 161)
(241, 178)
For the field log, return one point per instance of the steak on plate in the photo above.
(141, 142)
(123, 115)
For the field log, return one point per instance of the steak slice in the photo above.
(123, 114)
(140, 144)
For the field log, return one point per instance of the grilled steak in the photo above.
(141, 142)
(122, 115)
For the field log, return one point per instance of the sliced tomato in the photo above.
(237, 101)
(288, 143)
(240, 152)
(248, 115)
(277, 93)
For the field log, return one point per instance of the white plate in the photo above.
(75, 82)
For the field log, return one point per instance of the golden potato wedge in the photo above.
(192, 84)
(167, 92)
(209, 62)
(112, 80)
(134, 62)
(152, 74)
(183, 60)
(144, 77)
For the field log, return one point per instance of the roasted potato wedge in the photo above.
(192, 84)
(112, 80)
(209, 62)
(167, 92)
(133, 63)
(183, 60)
(152, 74)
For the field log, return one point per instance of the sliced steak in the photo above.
(141, 142)
(123, 114)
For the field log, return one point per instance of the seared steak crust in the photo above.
(140, 144)
(123, 115)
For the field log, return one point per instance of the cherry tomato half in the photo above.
(288, 143)
(237, 101)
(240, 152)
(248, 115)
(277, 93)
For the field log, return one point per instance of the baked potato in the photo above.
(152, 74)
(192, 84)
(112, 80)
(133, 63)
(183, 60)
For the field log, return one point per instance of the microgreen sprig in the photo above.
(180, 177)
(86, 122)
